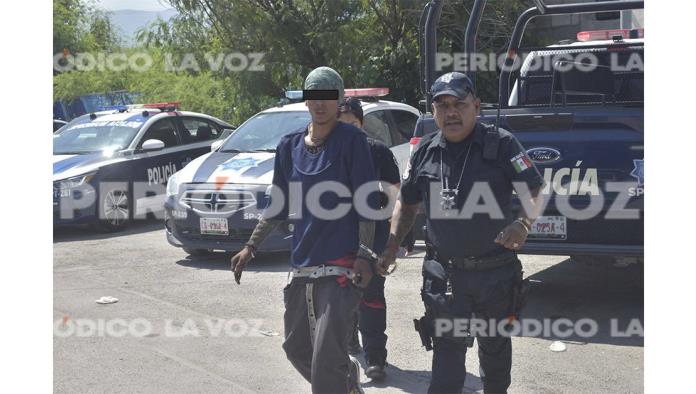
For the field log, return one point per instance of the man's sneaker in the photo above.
(376, 369)
(354, 376)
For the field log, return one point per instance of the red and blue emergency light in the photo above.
(366, 92)
(598, 35)
(296, 95)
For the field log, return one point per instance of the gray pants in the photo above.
(317, 327)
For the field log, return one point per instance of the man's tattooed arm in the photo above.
(403, 219)
(261, 232)
(367, 233)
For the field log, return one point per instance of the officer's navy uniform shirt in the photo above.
(344, 159)
(386, 168)
(475, 236)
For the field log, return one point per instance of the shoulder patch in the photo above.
(521, 162)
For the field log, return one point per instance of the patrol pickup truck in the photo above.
(581, 121)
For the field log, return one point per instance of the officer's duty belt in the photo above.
(472, 263)
(321, 271)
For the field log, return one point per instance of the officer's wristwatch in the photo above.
(525, 222)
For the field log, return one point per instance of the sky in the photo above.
(143, 5)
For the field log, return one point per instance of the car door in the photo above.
(402, 123)
(152, 169)
(197, 134)
(376, 125)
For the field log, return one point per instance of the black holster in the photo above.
(438, 305)
(520, 291)
(424, 328)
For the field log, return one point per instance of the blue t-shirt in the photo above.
(346, 160)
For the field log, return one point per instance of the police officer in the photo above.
(372, 320)
(465, 173)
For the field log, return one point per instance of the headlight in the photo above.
(173, 185)
(76, 181)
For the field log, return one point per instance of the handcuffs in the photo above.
(367, 254)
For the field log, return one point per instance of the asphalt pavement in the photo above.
(181, 324)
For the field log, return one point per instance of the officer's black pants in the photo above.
(488, 295)
(321, 356)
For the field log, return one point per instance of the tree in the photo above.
(79, 27)
(497, 23)
(371, 43)
(299, 35)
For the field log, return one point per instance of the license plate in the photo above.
(61, 193)
(214, 226)
(549, 227)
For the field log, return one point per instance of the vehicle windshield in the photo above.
(264, 131)
(95, 136)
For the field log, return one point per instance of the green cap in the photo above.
(325, 78)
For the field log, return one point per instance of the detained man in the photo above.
(327, 266)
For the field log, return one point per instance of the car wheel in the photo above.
(197, 252)
(114, 210)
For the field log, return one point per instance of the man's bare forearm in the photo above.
(262, 230)
(403, 219)
(367, 233)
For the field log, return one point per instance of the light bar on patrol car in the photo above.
(314, 94)
(366, 92)
(596, 35)
(163, 106)
(118, 107)
(293, 94)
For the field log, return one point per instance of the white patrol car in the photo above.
(215, 202)
(103, 162)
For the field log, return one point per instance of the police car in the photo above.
(111, 166)
(215, 202)
(57, 124)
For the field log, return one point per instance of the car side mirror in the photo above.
(215, 145)
(152, 145)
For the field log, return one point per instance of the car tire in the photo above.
(197, 252)
(114, 210)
